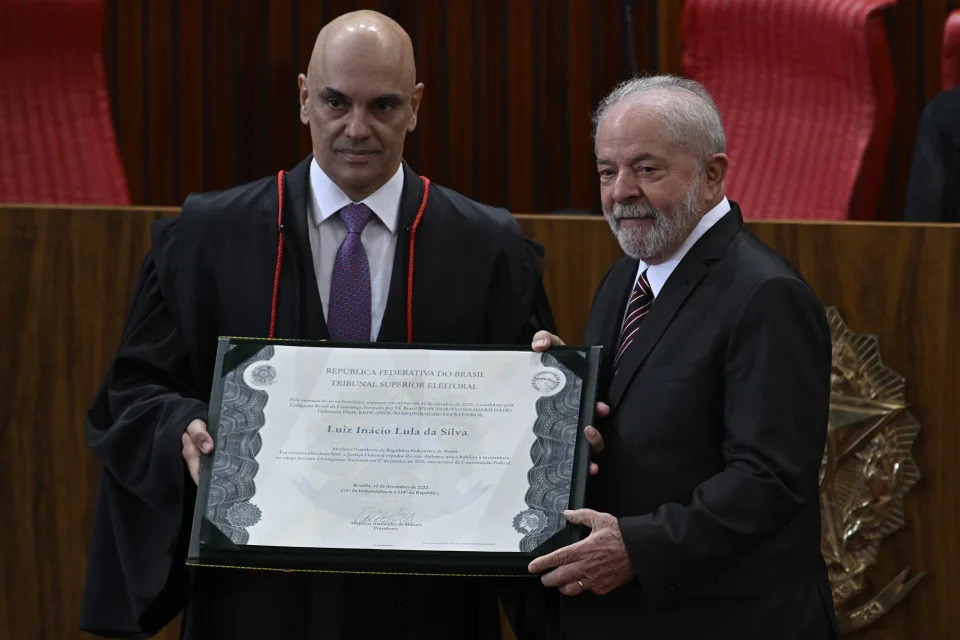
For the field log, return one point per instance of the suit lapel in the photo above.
(678, 287)
(681, 283)
(612, 300)
(393, 328)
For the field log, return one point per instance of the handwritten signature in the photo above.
(379, 517)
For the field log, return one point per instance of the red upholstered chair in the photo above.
(950, 65)
(806, 91)
(57, 143)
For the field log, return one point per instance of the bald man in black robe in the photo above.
(211, 272)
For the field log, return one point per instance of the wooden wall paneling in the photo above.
(550, 106)
(334, 8)
(904, 31)
(373, 5)
(128, 94)
(75, 271)
(579, 250)
(669, 36)
(644, 25)
(504, 119)
(190, 97)
(934, 16)
(900, 284)
(581, 168)
(607, 60)
(491, 110)
(432, 128)
(283, 105)
(202, 99)
(219, 147)
(162, 121)
(461, 101)
(520, 155)
(47, 513)
(250, 89)
(21, 549)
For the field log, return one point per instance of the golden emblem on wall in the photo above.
(867, 469)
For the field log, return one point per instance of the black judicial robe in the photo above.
(209, 273)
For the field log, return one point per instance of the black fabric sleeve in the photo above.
(136, 579)
(933, 192)
(540, 315)
(928, 173)
(517, 305)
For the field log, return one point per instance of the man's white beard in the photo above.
(670, 228)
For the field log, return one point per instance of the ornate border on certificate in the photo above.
(552, 454)
(238, 443)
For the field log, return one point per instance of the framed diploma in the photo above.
(392, 458)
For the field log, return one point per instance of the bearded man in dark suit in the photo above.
(704, 517)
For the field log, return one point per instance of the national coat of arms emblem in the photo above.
(867, 470)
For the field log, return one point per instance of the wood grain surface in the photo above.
(67, 274)
(204, 91)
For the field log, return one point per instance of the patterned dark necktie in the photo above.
(348, 318)
(641, 299)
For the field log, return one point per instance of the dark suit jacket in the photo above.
(933, 194)
(717, 427)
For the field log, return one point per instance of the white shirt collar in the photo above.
(327, 198)
(657, 274)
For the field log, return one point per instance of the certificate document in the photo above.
(366, 456)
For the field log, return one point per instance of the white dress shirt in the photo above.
(379, 237)
(657, 274)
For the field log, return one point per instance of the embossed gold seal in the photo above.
(867, 469)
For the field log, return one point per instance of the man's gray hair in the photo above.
(686, 109)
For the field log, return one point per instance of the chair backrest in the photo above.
(806, 92)
(950, 63)
(56, 132)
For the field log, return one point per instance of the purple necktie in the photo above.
(348, 317)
